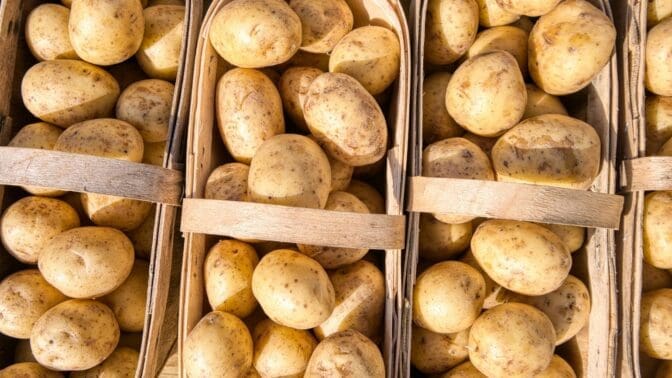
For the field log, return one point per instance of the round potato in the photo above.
(655, 335)
(657, 229)
(281, 351)
(657, 10)
(486, 94)
(143, 236)
(22, 352)
(147, 105)
(219, 342)
(323, 23)
(290, 170)
(492, 14)
(540, 102)
(293, 87)
(450, 29)
(256, 33)
(464, 370)
(513, 340)
(558, 368)
(530, 8)
(28, 370)
(436, 122)
(572, 236)
(29, 223)
(38, 135)
(654, 278)
(434, 353)
(90, 92)
(658, 75)
(506, 38)
(249, 111)
(47, 33)
(549, 149)
(346, 354)
(87, 262)
(367, 194)
(442, 241)
(228, 277)
(154, 153)
(122, 363)
(228, 182)
(484, 143)
(448, 297)
(77, 334)
(569, 46)
(159, 52)
(129, 301)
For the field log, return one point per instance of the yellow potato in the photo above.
(293, 87)
(323, 23)
(346, 354)
(367, 194)
(43, 136)
(654, 278)
(129, 301)
(530, 8)
(434, 353)
(657, 10)
(451, 28)
(154, 153)
(655, 334)
(28, 370)
(123, 362)
(281, 351)
(228, 182)
(492, 14)
(572, 236)
(484, 143)
(442, 241)
(143, 236)
(436, 122)
(22, 353)
(47, 33)
(540, 102)
(506, 38)
(118, 212)
(493, 291)
(147, 105)
(558, 368)
(464, 370)
(657, 229)
(658, 75)
(159, 53)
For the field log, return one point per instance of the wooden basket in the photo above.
(592, 352)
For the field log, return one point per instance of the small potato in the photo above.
(572, 236)
(654, 278)
(129, 301)
(540, 102)
(448, 297)
(434, 353)
(228, 182)
(523, 257)
(28, 370)
(290, 170)
(293, 289)
(24, 297)
(159, 52)
(147, 105)
(154, 153)
(256, 33)
(658, 75)
(450, 29)
(347, 354)
(87, 262)
(657, 10)
(530, 8)
(558, 368)
(367, 194)
(123, 362)
(511, 340)
(77, 334)
(493, 291)
(38, 135)
(281, 351)
(436, 122)
(464, 370)
(22, 352)
(323, 23)
(29, 223)
(293, 87)
(442, 241)
(550, 149)
(249, 111)
(90, 92)
(657, 228)
(221, 343)
(484, 143)
(370, 54)
(47, 33)
(506, 38)
(486, 95)
(143, 236)
(492, 14)
(655, 334)
(569, 46)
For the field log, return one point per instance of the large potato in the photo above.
(658, 75)
(657, 10)
(654, 278)
(530, 8)
(492, 14)
(434, 353)
(549, 149)
(147, 105)
(47, 33)
(569, 46)
(558, 368)
(228, 182)
(464, 370)
(345, 119)
(293, 87)
(442, 241)
(89, 92)
(572, 236)
(28, 370)
(347, 354)
(323, 23)
(87, 262)
(506, 38)
(367, 194)
(159, 52)
(281, 351)
(655, 333)
(450, 29)
(486, 94)
(657, 229)
(129, 301)
(122, 363)
(249, 112)
(256, 33)
(43, 136)
(436, 122)
(77, 334)
(540, 102)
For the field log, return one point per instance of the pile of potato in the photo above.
(79, 305)
(495, 297)
(299, 112)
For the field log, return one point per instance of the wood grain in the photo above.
(646, 173)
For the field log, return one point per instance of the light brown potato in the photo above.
(341, 174)
(153, 153)
(434, 353)
(293, 88)
(657, 10)
(451, 28)
(484, 143)
(28, 370)
(657, 229)
(558, 368)
(122, 363)
(550, 149)
(90, 92)
(658, 75)
(464, 370)
(256, 33)
(323, 23)
(249, 111)
(281, 351)
(436, 122)
(492, 14)
(569, 46)
(655, 334)
(47, 33)
(367, 194)
(513, 340)
(220, 342)
(345, 119)
(118, 212)
(493, 291)
(28, 224)
(654, 278)
(371, 55)
(486, 94)
(129, 301)
(448, 297)
(442, 241)
(506, 38)
(346, 354)
(143, 236)
(572, 236)
(77, 334)
(159, 52)
(22, 353)
(540, 102)
(523, 257)
(87, 262)
(530, 8)
(147, 105)
(228, 182)
(43, 136)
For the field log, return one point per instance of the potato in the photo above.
(370, 54)
(524, 23)
(530, 8)
(87, 262)
(657, 229)
(290, 170)
(569, 46)
(572, 236)
(484, 143)
(655, 335)
(306, 59)
(558, 368)
(281, 351)
(256, 33)
(336, 257)
(442, 241)
(464, 370)
(360, 301)
(346, 354)
(159, 52)
(153, 153)
(147, 105)
(323, 23)
(450, 29)
(658, 75)
(28, 224)
(152, 3)
(118, 212)
(434, 353)
(506, 38)
(221, 343)
(122, 363)
(493, 291)
(77, 334)
(540, 102)
(654, 278)
(293, 88)
(549, 149)
(367, 194)
(436, 122)
(129, 301)
(249, 111)
(22, 352)
(448, 297)
(492, 14)
(90, 92)
(341, 174)
(512, 339)
(47, 33)
(664, 369)
(28, 370)
(523, 257)
(228, 182)
(24, 297)
(657, 10)
(43, 136)
(293, 289)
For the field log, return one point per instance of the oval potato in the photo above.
(655, 335)
(281, 351)
(572, 236)
(293, 87)
(437, 124)
(657, 229)
(147, 105)
(450, 29)
(159, 52)
(228, 182)
(658, 75)
(323, 23)
(492, 14)
(129, 301)
(47, 33)
(658, 116)
(434, 353)
(346, 354)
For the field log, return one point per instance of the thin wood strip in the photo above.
(514, 201)
(90, 174)
(646, 173)
(247, 220)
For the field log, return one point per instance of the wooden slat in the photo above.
(646, 173)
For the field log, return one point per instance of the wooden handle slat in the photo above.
(514, 201)
(90, 174)
(246, 220)
(646, 173)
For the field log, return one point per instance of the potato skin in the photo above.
(493, 291)
(118, 212)
(437, 124)
(105, 137)
(442, 241)
(47, 33)
(492, 14)
(654, 278)
(154, 153)
(129, 301)
(464, 370)
(655, 335)
(572, 236)
(121, 363)
(281, 351)
(159, 52)
(656, 229)
(28, 370)
(43, 136)
(323, 23)
(558, 368)
(658, 74)
(657, 10)
(346, 354)
(540, 102)
(142, 237)
(147, 105)
(228, 182)
(658, 118)
(530, 8)
(450, 29)
(434, 353)
(293, 87)
(367, 194)
(506, 38)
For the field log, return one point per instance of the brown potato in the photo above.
(434, 353)
(228, 182)
(654, 278)
(558, 368)
(506, 38)
(293, 87)
(656, 229)
(47, 33)
(465, 370)
(159, 53)
(346, 354)
(436, 122)
(367, 194)
(281, 351)
(492, 14)
(655, 334)
(442, 241)
(129, 301)
(28, 370)
(123, 362)
(147, 105)
(323, 23)
(572, 236)
(153, 153)
(540, 102)
(451, 28)
(657, 10)
(658, 75)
